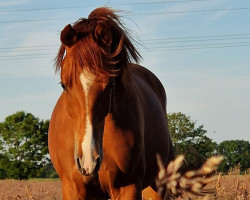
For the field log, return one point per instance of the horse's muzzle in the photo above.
(91, 170)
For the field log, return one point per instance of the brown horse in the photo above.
(110, 121)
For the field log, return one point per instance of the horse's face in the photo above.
(88, 102)
(97, 49)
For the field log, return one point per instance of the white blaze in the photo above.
(88, 162)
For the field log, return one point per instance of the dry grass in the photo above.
(225, 187)
(30, 190)
(233, 187)
(171, 183)
(197, 185)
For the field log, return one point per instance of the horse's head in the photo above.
(97, 49)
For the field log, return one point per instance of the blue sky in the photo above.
(199, 49)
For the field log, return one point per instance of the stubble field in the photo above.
(234, 187)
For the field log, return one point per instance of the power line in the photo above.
(33, 46)
(194, 40)
(194, 11)
(154, 49)
(136, 14)
(204, 45)
(161, 2)
(27, 55)
(25, 50)
(35, 20)
(151, 50)
(24, 58)
(147, 41)
(14, 50)
(80, 7)
(198, 42)
(199, 36)
(198, 48)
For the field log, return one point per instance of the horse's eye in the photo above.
(63, 86)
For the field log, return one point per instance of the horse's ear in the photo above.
(68, 36)
(103, 34)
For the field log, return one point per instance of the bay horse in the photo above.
(110, 120)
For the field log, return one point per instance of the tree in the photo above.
(3, 166)
(234, 152)
(23, 141)
(189, 140)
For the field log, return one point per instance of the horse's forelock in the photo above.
(104, 12)
(91, 52)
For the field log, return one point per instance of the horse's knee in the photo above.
(149, 194)
(132, 192)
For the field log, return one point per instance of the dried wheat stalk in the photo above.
(171, 183)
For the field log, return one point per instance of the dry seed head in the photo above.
(161, 174)
(215, 160)
(190, 174)
(211, 164)
(175, 165)
(183, 182)
(170, 167)
(173, 190)
(178, 162)
(161, 167)
(174, 176)
(196, 187)
(207, 169)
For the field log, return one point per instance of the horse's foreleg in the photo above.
(149, 194)
(71, 191)
(132, 192)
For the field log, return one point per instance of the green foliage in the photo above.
(234, 152)
(23, 145)
(190, 140)
(3, 166)
(48, 171)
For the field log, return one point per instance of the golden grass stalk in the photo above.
(171, 183)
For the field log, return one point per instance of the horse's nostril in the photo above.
(78, 164)
(89, 170)
(83, 171)
(98, 160)
(80, 168)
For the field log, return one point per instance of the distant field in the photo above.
(227, 188)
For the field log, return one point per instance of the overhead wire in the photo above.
(193, 11)
(198, 38)
(120, 4)
(198, 48)
(149, 49)
(177, 48)
(149, 43)
(135, 14)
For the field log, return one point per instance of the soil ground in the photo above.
(234, 187)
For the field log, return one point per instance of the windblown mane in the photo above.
(101, 43)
